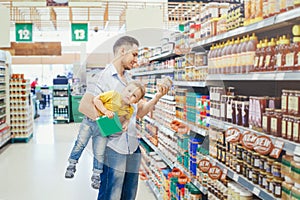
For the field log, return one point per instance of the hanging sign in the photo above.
(215, 172)
(79, 32)
(204, 165)
(23, 32)
(233, 135)
(263, 145)
(248, 140)
(278, 146)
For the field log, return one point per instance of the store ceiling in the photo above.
(101, 15)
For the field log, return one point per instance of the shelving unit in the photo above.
(61, 101)
(5, 135)
(21, 109)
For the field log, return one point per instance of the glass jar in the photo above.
(269, 183)
(255, 175)
(289, 129)
(296, 129)
(223, 107)
(286, 164)
(239, 167)
(239, 151)
(268, 165)
(262, 178)
(238, 113)
(284, 101)
(245, 111)
(229, 108)
(284, 126)
(276, 169)
(292, 102)
(266, 120)
(249, 157)
(255, 160)
(276, 122)
(286, 191)
(262, 161)
(277, 184)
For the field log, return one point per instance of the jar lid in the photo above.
(296, 158)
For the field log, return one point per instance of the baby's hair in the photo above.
(139, 86)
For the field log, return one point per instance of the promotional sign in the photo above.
(263, 145)
(23, 32)
(79, 32)
(233, 135)
(204, 165)
(248, 140)
(215, 172)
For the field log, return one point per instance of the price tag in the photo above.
(235, 177)
(297, 150)
(256, 191)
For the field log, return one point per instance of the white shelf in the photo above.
(160, 126)
(264, 76)
(165, 159)
(262, 26)
(165, 97)
(155, 190)
(190, 83)
(288, 145)
(4, 140)
(259, 192)
(159, 71)
(194, 128)
(163, 56)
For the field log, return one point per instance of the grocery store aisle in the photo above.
(35, 170)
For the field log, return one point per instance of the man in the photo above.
(119, 179)
(33, 85)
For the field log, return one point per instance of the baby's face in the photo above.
(131, 94)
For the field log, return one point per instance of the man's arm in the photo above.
(145, 107)
(87, 106)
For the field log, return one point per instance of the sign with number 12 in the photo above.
(79, 32)
(24, 32)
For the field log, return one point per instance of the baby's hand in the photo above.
(109, 114)
(125, 125)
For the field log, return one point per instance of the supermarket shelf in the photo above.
(165, 159)
(166, 97)
(165, 110)
(259, 192)
(5, 140)
(159, 71)
(288, 145)
(265, 76)
(194, 128)
(194, 181)
(190, 83)
(163, 56)
(154, 189)
(262, 26)
(160, 126)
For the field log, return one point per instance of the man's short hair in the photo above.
(125, 40)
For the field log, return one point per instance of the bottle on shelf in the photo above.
(251, 50)
(270, 56)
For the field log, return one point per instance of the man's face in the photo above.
(130, 58)
(131, 94)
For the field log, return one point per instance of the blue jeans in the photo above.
(119, 180)
(88, 129)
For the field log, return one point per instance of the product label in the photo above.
(273, 125)
(283, 102)
(256, 62)
(289, 59)
(283, 128)
(289, 130)
(261, 61)
(296, 131)
(265, 123)
(291, 103)
(263, 145)
(298, 55)
(267, 61)
(223, 110)
(278, 60)
(229, 111)
(277, 190)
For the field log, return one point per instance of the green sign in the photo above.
(79, 32)
(24, 32)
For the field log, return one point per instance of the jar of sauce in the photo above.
(284, 101)
(276, 169)
(266, 120)
(255, 160)
(289, 129)
(276, 122)
(296, 129)
(284, 126)
(277, 187)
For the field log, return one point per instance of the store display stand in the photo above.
(5, 135)
(21, 111)
(61, 101)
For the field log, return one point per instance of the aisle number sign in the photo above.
(79, 32)
(23, 32)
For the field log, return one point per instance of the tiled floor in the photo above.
(35, 170)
